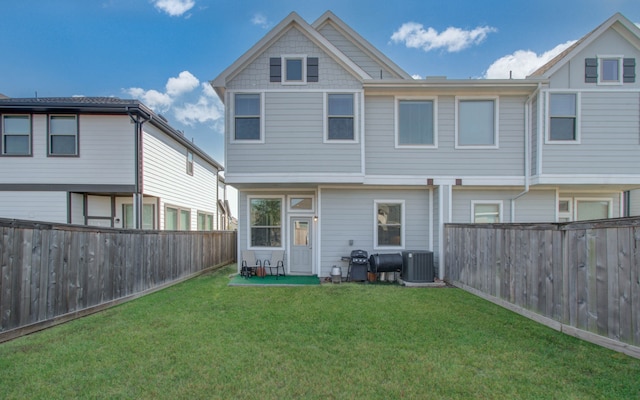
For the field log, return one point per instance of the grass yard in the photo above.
(205, 340)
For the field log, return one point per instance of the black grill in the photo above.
(358, 265)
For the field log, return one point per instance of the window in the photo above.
(593, 209)
(610, 70)
(177, 219)
(340, 117)
(16, 135)
(293, 70)
(247, 116)
(486, 212)
(565, 210)
(63, 135)
(266, 222)
(148, 216)
(189, 162)
(415, 123)
(389, 217)
(205, 221)
(563, 117)
(301, 203)
(476, 123)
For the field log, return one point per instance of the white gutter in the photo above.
(527, 151)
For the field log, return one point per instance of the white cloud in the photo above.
(452, 39)
(521, 63)
(174, 8)
(260, 20)
(184, 83)
(157, 101)
(207, 109)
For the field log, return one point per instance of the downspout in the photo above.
(138, 120)
(527, 150)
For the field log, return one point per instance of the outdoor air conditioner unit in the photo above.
(417, 266)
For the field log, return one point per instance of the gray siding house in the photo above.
(334, 148)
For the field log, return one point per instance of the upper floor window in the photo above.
(63, 135)
(389, 222)
(247, 113)
(486, 212)
(16, 135)
(189, 162)
(340, 117)
(293, 69)
(563, 118)
(610, 70)
(476, 123)
(415, 122)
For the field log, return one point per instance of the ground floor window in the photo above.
(205, 221)
(389, 222)
(266, 222)
(148, 216)
(177, 219)
(488, 212)
(592, 209)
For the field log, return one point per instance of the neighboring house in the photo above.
(334, 148)
(103, 162)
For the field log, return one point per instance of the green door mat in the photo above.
(270, 280)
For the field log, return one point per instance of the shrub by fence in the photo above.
(582, 278)
(52, 273)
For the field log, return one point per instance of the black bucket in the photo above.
(385, 262)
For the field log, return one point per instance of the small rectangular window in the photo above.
(16, 135)
(486, 212)
(293, 70)
(340, 117)
(63, 135)
(301, 204)
(610, 70)
(205, 221)
(177, 219)
(148, 216)
(476, 123)
(562, 117)
(592, 209)
(415, 123)
(189, 162)
(247, 116)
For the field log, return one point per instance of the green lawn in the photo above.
(203, 339)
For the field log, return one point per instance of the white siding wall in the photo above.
(107, 155)
(535, 206)
(382, 158)
(165, 177)
(35, 206)
(348, 214)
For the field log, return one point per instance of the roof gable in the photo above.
(357, 41)
(292, 21)
(618, 22)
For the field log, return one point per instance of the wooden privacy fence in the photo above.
(582, 278)
(52, 273)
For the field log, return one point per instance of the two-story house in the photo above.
(103, 162)
(333, 147)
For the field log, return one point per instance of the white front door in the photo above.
(301, 246)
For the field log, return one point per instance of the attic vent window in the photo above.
(293, 69)
(609, 70)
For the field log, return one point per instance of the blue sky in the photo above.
(164, 52)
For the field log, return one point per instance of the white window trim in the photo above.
(609, 200)
(566, 214)
(496, 120)
(28, 134)
(283, 67)
(49, 136)
(282, 224)
(375, 224)
(232, 115)
(499, 203)
(396, 114)
(620, 69)
(296, 210)
(547, 124)
(356, 117)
